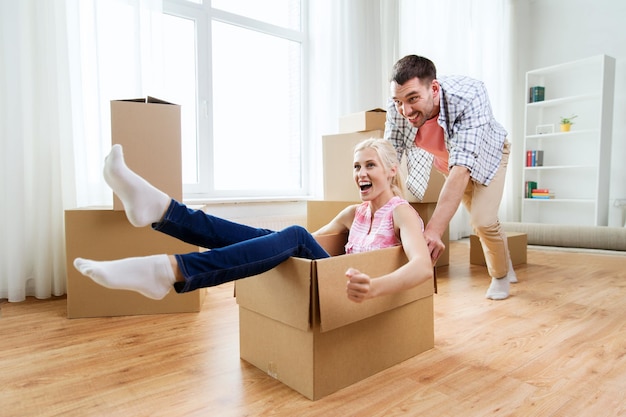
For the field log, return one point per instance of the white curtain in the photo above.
(115, 54)
(353, 45)
(466, 37)
(60, 65)
(35, 147)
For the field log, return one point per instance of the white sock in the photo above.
(499, 289)
(511, 274)
(151, 276)
(144, 204)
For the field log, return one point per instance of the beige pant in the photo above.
(482, 203)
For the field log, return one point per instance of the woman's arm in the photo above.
(417, 270)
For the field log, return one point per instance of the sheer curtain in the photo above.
(352, 47)
(35, 147)
(466, 37)
(61, 64)
(115, 54)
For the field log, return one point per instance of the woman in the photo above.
(238, 251)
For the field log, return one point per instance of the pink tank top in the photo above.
(367, 234)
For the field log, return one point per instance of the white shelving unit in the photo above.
(576, 164)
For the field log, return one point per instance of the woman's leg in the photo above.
(144, 205)
(245, 259)
(153, 276)
(199, 228)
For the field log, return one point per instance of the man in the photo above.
(448, 122)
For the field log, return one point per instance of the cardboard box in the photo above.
(296, 323)
(338, 158)
(149, 131)
(319, 213)
(518, 243)
(364, 120)
(107, 235)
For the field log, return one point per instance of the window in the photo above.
(236, 69)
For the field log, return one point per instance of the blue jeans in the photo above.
(236, 250)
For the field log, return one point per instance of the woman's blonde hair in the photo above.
(389, 158)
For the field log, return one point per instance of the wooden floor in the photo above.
(556, 347)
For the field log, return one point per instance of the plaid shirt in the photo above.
(474, 139)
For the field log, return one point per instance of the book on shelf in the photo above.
(529, 187)
(534, 158)
(544, 193)
(536, 93)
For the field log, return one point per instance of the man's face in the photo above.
(415, 101)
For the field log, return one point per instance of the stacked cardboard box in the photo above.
(149, 131)
(105, 234)
(517, 241)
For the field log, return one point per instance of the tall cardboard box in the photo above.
(518, 244)
(364, 120)
(296, 323)
(149, 131)
(319, 213)
(105, 234)
(338, 158)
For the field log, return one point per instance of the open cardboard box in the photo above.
(296, 323)
(517, 242)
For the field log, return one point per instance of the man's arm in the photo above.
(449, 201)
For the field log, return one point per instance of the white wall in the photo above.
(550, 32)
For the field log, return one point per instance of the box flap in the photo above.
(378, 109)
(335, 308)
(148, 99)
(283, 293)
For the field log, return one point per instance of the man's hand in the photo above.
(358, 286)
(447, 205)
(435, 245)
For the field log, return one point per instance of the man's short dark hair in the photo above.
(412, 66)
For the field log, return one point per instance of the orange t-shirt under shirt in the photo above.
(430, 138)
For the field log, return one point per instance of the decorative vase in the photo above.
(565, 127)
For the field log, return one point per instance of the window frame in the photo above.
(203, 16)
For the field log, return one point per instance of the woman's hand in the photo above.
(358, 287)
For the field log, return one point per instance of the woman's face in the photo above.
(370, 175)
